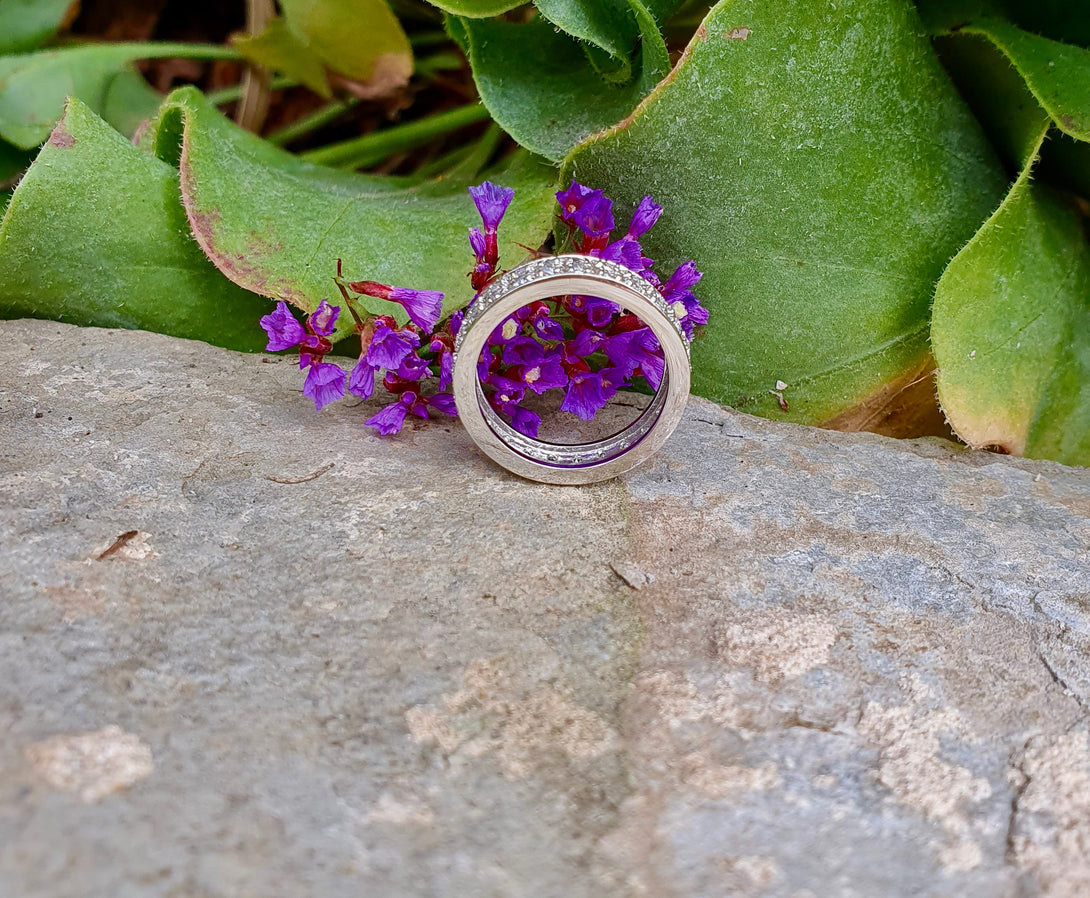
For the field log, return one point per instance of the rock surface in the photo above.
(250, 650)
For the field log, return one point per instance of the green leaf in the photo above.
(540, 87)
(1058, 74)
(818, 165)
(34, 86)
(360, 39)
(997, 95)
(279, 50)
(1011, 330)
(95, 234)
(476, 9)
(276, 225)
(27, 24)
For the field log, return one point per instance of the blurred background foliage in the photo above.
(888, 199)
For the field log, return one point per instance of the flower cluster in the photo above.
(584, 345)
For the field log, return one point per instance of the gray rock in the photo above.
(250, 650)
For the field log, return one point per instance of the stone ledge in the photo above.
(250, 649)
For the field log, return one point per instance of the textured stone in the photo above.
(281, 656)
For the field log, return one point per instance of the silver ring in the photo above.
(585, 462)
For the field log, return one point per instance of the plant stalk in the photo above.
(370, 149)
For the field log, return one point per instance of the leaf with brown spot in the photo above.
(95, 234)
(277, 225)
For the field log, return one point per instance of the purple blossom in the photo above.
(324, 384)
(572, 200)
(589, 391)
(547, 374)
(624, 252)
(283, 330)
(361, 380)
(595, 217)
(389, 419)
(424, 306)
(507, 399)
(525, 421)
(477, 243)
(681, 281)
(491, 201)
(637, 349)
(388, 347)
(644, 218)
(323, 319)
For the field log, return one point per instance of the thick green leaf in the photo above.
(612, 27)
(819, 167)
(277, 226)
(27, 24)
(998, 96)
(1058, 74)
(359, 39)
(96, 234)
(1011, 330)
(477, 9)
(279, 50)
(34, 86)
(540, 87)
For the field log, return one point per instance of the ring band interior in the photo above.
(578, 455)
(581, 462)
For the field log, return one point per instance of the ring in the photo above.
(584, 462)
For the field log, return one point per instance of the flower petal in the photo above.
(324, 384)
(323, 319)
(491, 201)
(283, 330)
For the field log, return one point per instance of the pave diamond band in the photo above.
(586, 462)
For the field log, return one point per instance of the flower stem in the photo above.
(165, 49)
(311, 122)
(370, 149)
(229, 94)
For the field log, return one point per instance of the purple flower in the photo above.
(548, 374)
(324, 384)
(585, 343)
(323, 319)
(626, 252)
(492, 202)
(637, 349)
(477, 243)
(589, 391)
(525, 421)
(595, 217)
(546, 327)
(644, 218)
(390, 418)
(443, 402)
(572, 200)
(361, 381)
(683, 279)
(413, 367)
(388, 347)
(598, 312)
(686, 306)
(424, 306)
(283, 330)
(506, 400)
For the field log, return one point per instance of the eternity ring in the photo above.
(546, 462)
